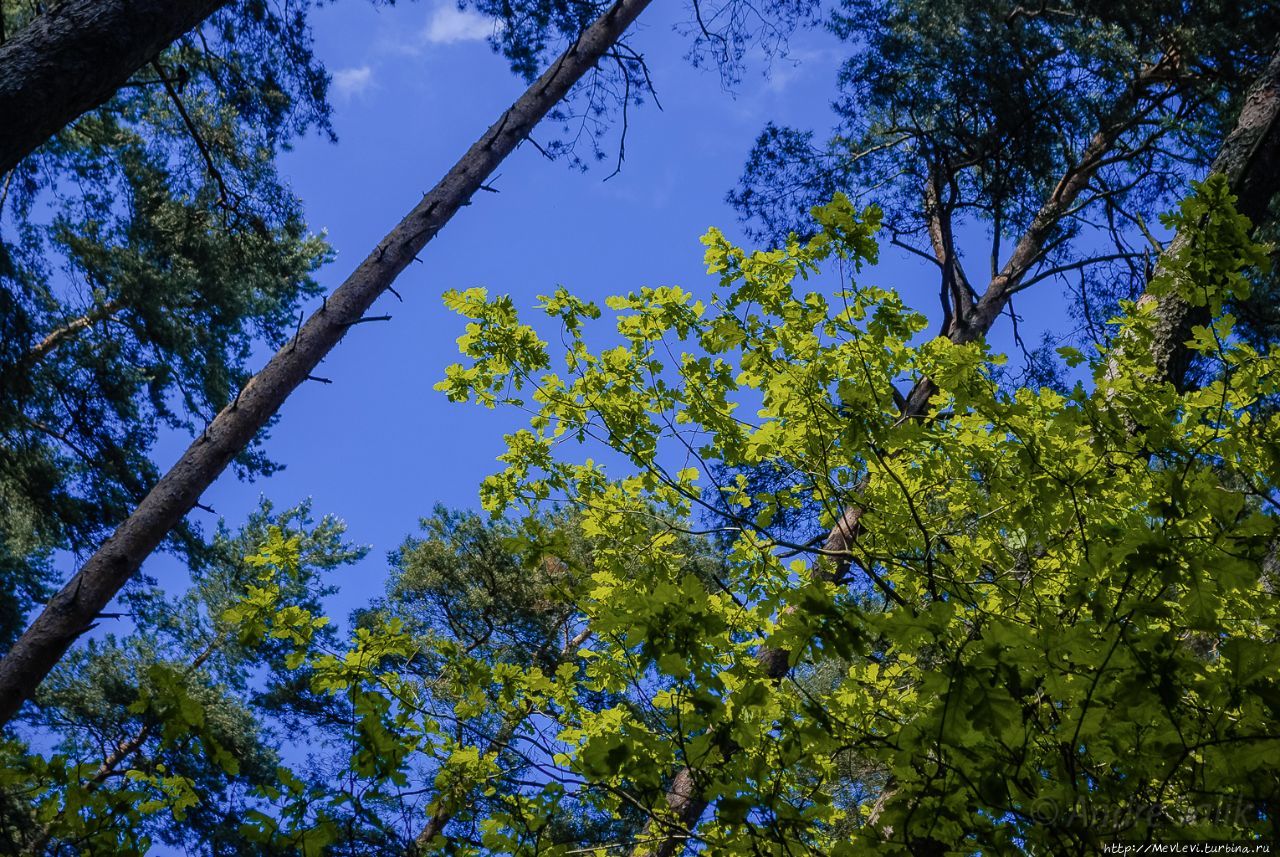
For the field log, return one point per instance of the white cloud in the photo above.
(784, 71)
(351, 83)
(450, 24)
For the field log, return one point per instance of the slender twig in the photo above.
(224, 194)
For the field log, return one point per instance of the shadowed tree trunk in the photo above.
(1250, 160)
(74, 57)
(72, 611)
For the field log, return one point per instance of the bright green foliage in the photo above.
(446, 694)
(144, 252)
(1212, 270)
(164, 735)
(150, 246)
(1056, 629)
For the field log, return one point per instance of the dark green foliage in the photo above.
(486, 600)
(994, 103)
(1065, 640)
(90, 703)
(1000, 98)
(463, 579)
(143, 253)
(481, 595)
(147, 248)
(722, 34)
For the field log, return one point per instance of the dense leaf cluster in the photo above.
(1050, 631)
(1052, 626)
(168, 734)
(1053, 629)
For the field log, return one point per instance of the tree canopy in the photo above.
(769, 566)
(143, 251)
(1052, 630)
(1040, 632)
(973, 114)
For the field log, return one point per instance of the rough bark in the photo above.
(1250, 159)
(74, 56)
(72, 611)
(669, 833)
(956, 295)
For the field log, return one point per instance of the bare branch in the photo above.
(1073, 266)
(59, 335)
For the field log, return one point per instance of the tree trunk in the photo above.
(74, 57)
(72, 611)
(1250, 159)
(671, 833)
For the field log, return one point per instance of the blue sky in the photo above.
(414, 84)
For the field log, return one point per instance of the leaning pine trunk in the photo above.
(72, 611)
